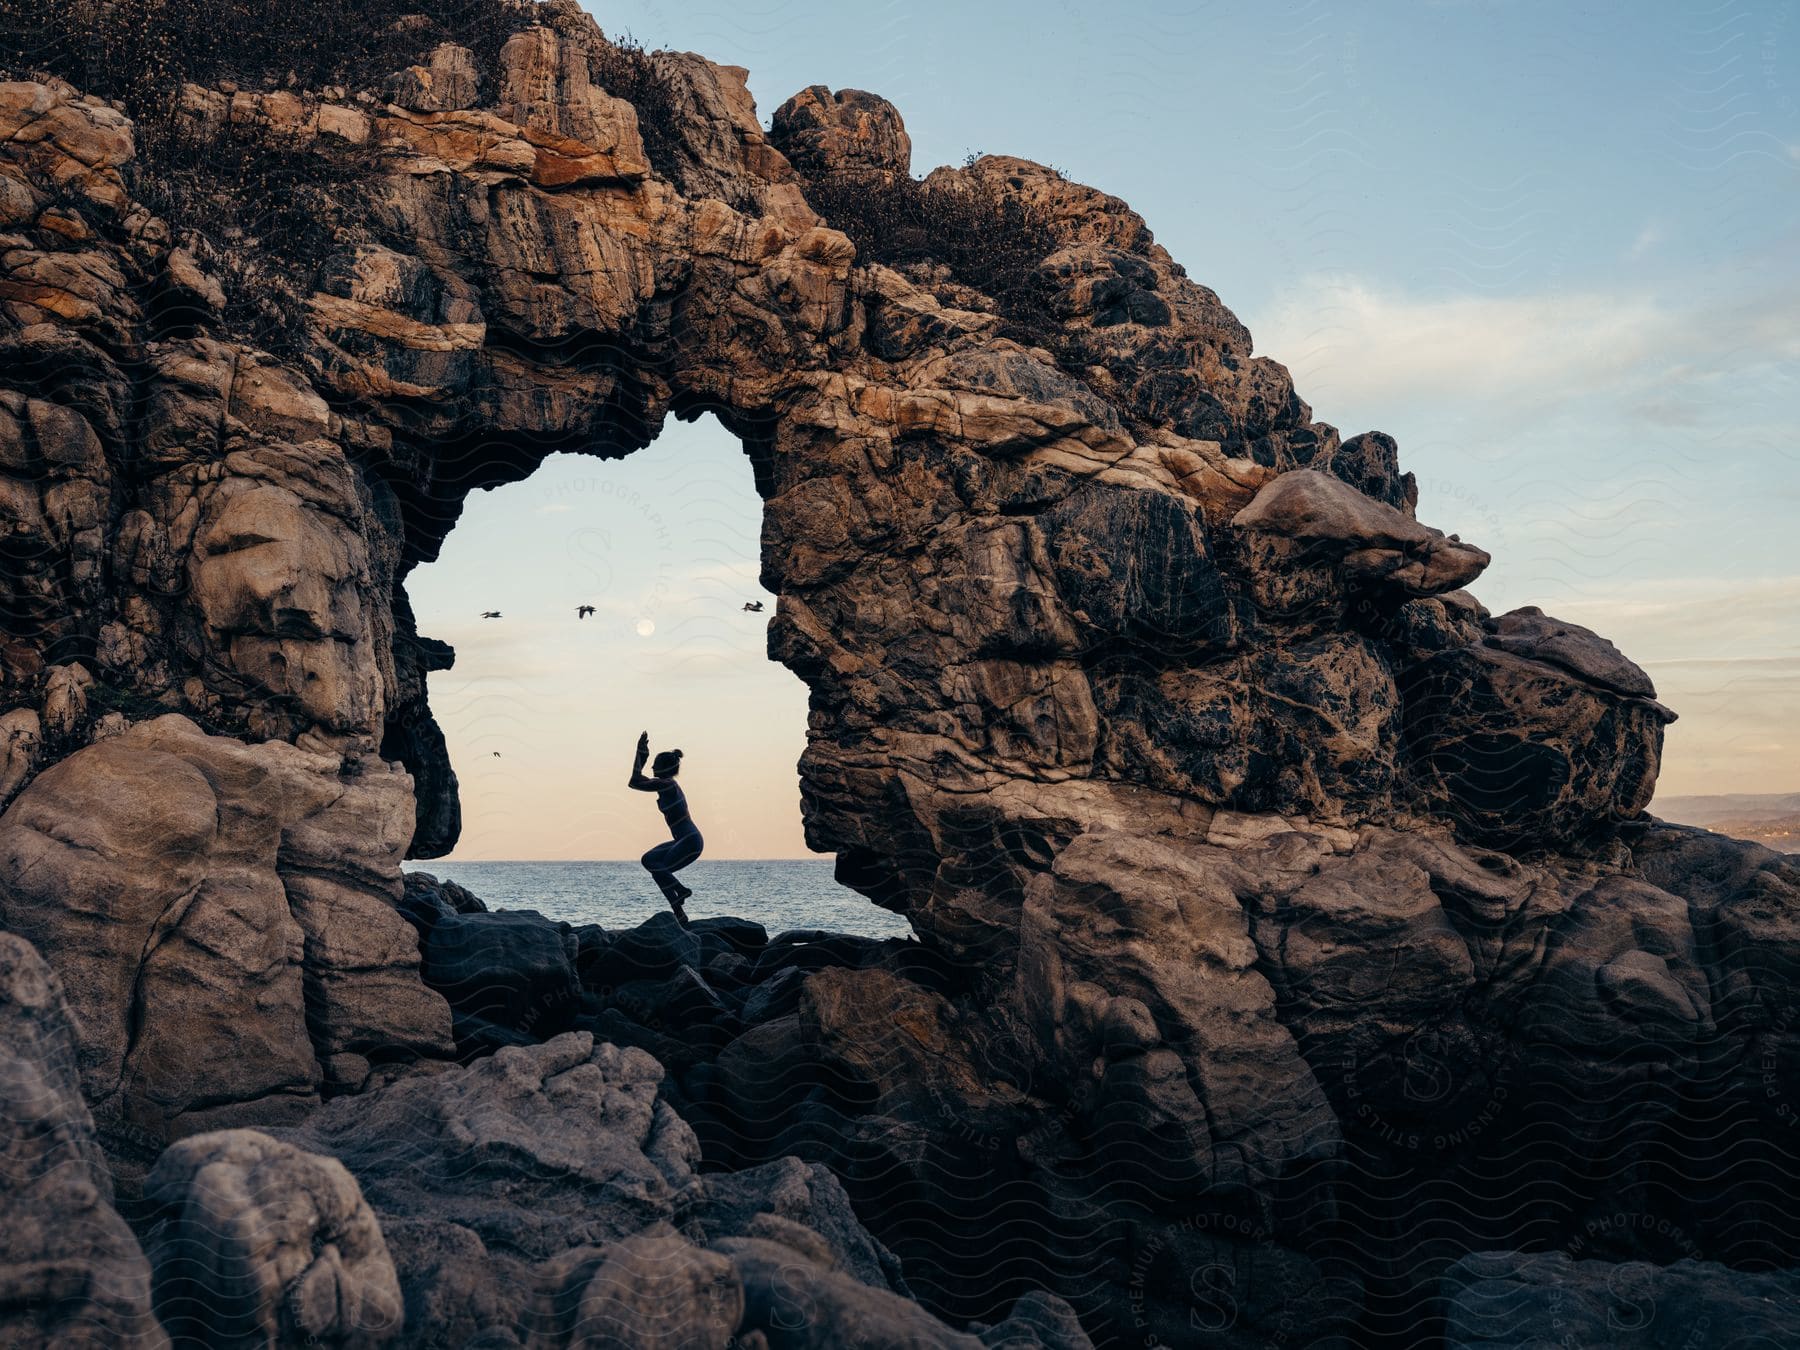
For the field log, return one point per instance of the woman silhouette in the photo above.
(685, 843)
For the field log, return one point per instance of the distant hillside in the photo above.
(1769, 818)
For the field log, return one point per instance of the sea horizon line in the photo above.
(422, 862)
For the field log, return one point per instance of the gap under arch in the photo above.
(542, 708)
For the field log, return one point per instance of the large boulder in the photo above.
(1314, 541)
(223, 918)
(551, 1187)
(805, 1307)
(802, 1204)
(534, 1148)
(71, 1273)
(842, 131)
(509, 968)
(655, 1290)
(1168, 996)
(1542, 734)
(257, 1243)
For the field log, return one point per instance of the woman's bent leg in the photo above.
(683, 849)
(659, 862)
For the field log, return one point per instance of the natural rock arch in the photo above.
(1130, 563)
(1140, 692)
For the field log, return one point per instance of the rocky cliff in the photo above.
(1289, 926)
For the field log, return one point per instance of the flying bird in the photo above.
(582, 611)
(490, 613)
(496, 754)
(753, 606)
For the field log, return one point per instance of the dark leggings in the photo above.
(665, 860)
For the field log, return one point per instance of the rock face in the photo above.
(590, 1154)
(843, 130)
(1142, 561)
(1268, 888)
(1387, 1020)
(1552, 731)
(71, 1273)
(547, 1195)
(256, 1243)
(223, 917)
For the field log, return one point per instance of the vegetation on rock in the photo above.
(990, 240)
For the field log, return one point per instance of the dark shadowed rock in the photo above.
(810, 949)
(456, 1291)
(776, 996)
(653, 1290)
(509, 968)
(1514, 1300)
(425, 898)
(654, 950)
(1521, 750)
(801, 1307)
(1138, 567)
(779, 1197)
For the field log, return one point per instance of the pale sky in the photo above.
(1552, 247)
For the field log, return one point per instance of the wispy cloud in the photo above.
(1699, 620)
(1646, 242)
(1351, 339)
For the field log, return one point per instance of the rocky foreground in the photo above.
(1296, 963)
(545, 1195)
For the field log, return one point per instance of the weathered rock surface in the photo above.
(510, 969)
(549, 1196)
(841, 131)
(1383, 1021)
(223, 917)
(1122, 548)
(1543, 734)
(257, 1243)
(71, 1273)
(533, 1149)
(1314, 540)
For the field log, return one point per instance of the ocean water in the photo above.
(782, 895)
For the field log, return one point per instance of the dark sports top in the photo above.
(673, 804)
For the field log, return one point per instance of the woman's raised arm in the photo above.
(637, 779)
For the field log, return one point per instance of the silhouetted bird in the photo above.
(753, 607)
(496, 754)
(582, 611)
(490, 613)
